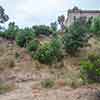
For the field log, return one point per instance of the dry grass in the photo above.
(6, 62)
(7, 59)
(6, 88)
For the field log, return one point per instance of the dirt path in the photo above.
(28, 88)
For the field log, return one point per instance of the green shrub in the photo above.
(48, 83)
(11, 32)
(94, 58)
(24, 37)
(45, 54)
(17, 56)
(33, 45)
(56, 44)
(49, 52)
(54, 26)
(90, 68)
(95, 27)
(5, 88)
(89, 23)
(76, 36)
(2, 34)
(42, 29)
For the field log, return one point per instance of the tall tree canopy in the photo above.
(61, 20)
(3, 17)
(54, 26)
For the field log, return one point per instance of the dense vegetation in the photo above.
(95, 27)
(49, 52)
(24, 36)
(32, 45)
(11, 32)
(42, 29)
(3, 17)
(90, 68)
(76, 36)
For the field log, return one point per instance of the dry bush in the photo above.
(7, 62)
(48, 83)
(61, 82)
(6, 88)
(71, 77)
(2, 49)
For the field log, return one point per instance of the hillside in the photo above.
(19, 70)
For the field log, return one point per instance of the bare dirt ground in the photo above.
(26, 92)
(28, 87)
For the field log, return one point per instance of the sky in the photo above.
(30, 12)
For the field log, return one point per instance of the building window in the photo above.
(74, 18)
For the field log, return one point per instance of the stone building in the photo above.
(75, 13)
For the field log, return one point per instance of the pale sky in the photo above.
(31, 12)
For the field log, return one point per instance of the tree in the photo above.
(89, 23)
(90, 68)
(76, 36)
(25, 36)
(95, 27)
(12, 31)
(32, 46)
(54, 26)
(61, 20)
(42, 29)
(80, 25)
(3, 16)
(51, 52)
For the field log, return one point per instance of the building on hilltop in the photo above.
(75, 13)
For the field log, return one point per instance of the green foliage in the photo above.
(2, 34)
(45, 54)
(12, 31)
(76, 36)
(94, 58)
(33, 45)
(48, 83)
(89, 23)
(42, 29)
(80, 25)
(5, 88)
(56, 44)
(49, 52)
(24, 37)
(54, 26)
(3, 16)
(90, 68)
(17, 55)
(95, 27)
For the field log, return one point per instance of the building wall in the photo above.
(72, 15)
